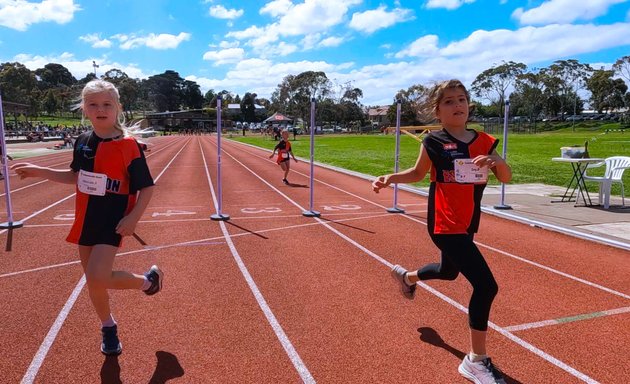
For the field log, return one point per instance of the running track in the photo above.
(272, 296)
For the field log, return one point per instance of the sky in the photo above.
(250, 46)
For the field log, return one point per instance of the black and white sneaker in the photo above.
(155, 276)
(285, 181)
(111, 345)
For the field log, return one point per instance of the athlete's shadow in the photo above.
(430, 336)
(297, 185)
(110, 371)
(167, 368)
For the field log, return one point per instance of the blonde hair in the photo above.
(98, 86)
(437, 93)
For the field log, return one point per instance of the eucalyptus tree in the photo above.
(17, 83)
(54, 75)
(248, 106)
(572, 76)
(528, 96)
(607, 93)
(164, 91)
(293, 95)
(128, 88)
(622, 68)
(494, 83)
(413, 106)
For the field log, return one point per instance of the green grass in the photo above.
(529, 155)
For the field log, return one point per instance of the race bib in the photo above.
(285, 155)
(467, 172)
(92, 183)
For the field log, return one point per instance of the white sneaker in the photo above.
(480, 372)
(398, 273)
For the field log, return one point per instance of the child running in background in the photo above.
(284, 151)
(109, 170)
(458, 159)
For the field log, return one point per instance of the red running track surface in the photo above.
(271, 296)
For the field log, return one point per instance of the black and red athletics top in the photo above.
(283, 148)
(454, 208)
(122, 161)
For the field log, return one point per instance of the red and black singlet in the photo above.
(284, 150)
(454, 208)
(122, 161)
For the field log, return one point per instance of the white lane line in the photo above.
(538, 352)
(39, 357)
(567, 319)
(262, 303)
(192, 243)
(524, 260)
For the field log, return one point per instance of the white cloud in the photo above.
(277, 8)
(220, 12)
(152, 40)
(96, 41)
(225, 56)
(20, 14)
(373, 20)
(448, 4)
(563, 11)
(331, 41)
(425, 46)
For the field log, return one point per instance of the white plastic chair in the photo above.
(614, 171)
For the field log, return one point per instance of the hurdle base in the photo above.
(395, 210)
(502, 206)
(11, 225)
(311, 214)
(220, 217)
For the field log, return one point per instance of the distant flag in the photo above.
(95, 66)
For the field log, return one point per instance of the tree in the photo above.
(493, 84)
(570, 76)
(248, 107)
(54, 76)
(606, 93)
(622, 67)
(191, 95)
(164, 91)
(413, 108)
(293, 95)
(528, 95)
(17, 83)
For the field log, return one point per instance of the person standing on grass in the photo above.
(458, 160)
(284, 154)
(113, 188)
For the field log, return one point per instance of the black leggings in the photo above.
(460, 254)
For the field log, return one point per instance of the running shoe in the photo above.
(111, 345)
(398, 273)
(480, 372)
(155, 276)
(285, 181)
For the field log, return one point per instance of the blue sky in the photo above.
(250, 46)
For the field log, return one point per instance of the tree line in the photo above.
(556, 90)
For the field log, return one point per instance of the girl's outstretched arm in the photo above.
(24, 170)
(411, 175)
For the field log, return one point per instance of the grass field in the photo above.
(528, 154)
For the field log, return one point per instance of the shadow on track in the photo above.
(297, 185)
(430, 336)
(247, 230)
(167, 368)
(346, 225)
